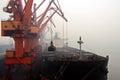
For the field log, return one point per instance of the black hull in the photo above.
(69, 64)
(73, 70)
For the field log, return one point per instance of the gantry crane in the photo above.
(26, 29)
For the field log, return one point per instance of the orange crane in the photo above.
(26, 29)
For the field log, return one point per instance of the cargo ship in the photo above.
(68, 63)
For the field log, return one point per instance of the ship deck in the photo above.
(71, 54)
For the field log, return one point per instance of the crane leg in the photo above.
(7, 74)
(29, 69)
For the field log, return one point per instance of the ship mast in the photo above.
(80, 42)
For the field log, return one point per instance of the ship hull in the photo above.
(73, 70)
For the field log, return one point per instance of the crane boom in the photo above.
(27, 13)
(44, 14)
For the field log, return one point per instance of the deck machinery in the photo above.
(26, 29)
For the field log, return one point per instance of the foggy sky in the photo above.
(97, 21)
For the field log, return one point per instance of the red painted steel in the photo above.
(27, 44)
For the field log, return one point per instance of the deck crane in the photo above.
(25, 28)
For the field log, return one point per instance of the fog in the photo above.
(97, 21)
